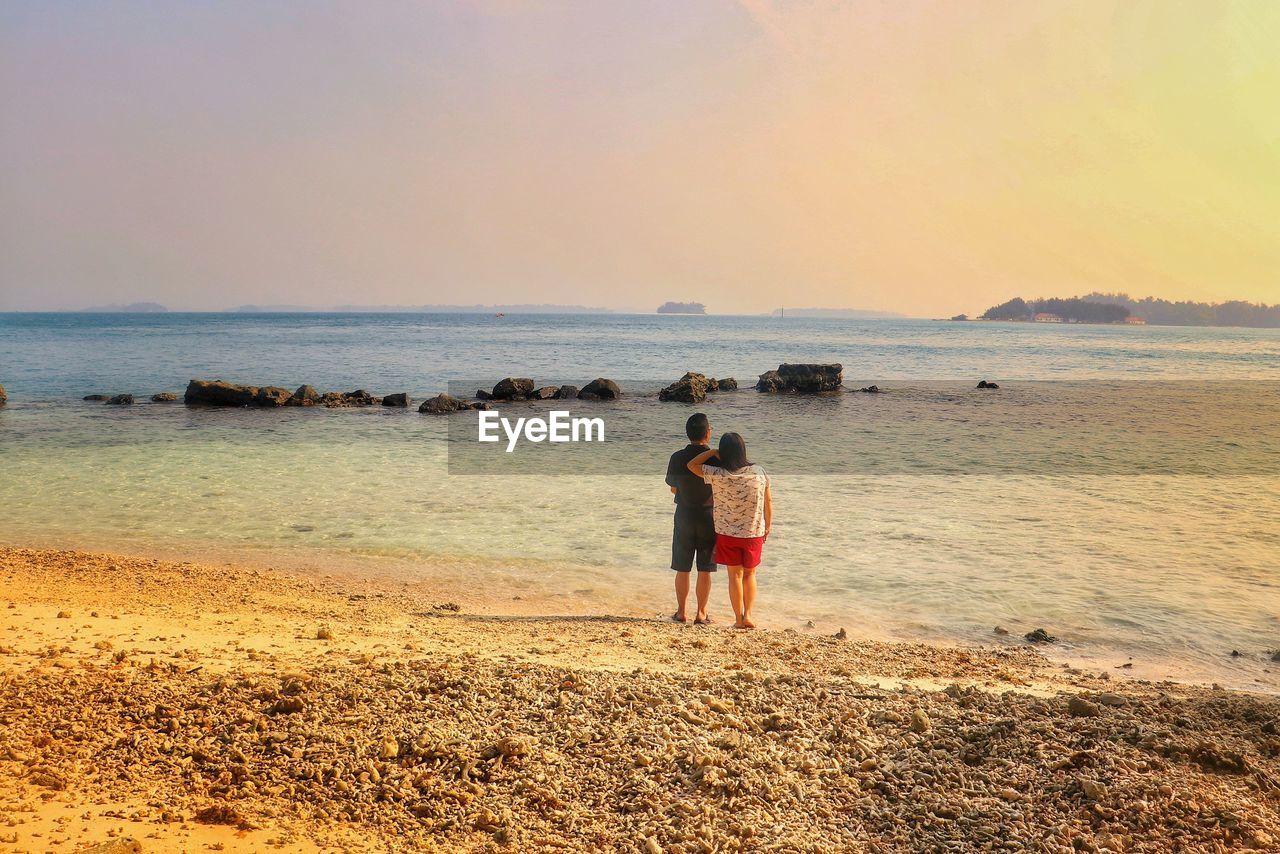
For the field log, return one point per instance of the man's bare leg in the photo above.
(703, 594)
(682, 593)
(748, 595)
(735, 595)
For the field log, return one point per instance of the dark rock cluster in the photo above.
(693, 388)
(802, 379)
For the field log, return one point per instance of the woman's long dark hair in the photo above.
(732, 452)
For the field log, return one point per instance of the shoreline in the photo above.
(186, 705)
(454, 574)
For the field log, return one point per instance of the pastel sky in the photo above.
(921, 157)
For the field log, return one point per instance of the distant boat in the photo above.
(500, 314)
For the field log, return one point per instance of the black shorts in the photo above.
(694, 536)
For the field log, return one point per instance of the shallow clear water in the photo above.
(888, 524)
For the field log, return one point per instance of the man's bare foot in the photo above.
(741, 625)
(701, 619)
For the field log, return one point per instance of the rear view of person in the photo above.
(694, 535)
(743, 513)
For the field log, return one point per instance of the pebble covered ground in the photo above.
(309, 715)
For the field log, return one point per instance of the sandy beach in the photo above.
(161, 706)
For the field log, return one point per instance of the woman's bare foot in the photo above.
(747, 624)
(739, 624)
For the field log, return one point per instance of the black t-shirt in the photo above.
(691, 490)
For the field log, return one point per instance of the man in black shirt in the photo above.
(694, 534)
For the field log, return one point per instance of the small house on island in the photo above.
(1046, 317)
(1134, 320)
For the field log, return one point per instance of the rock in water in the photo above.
(441, 404)
(728, 384)
(398, 399)
(985, 384)
(305, 396)
(96, 397)
(547, 392)
(270, 395)
(690, 388)
(481, 394)
(164, 397)
(567, 392)
(219, 393)
(359, 397)
(3, 397)
(1040, 636)
(600, 389)
(121, 400)
(802, 379)
(513, 388)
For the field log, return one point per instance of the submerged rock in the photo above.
(270, 395)
(121, 400)
(219, 393)
(305, 396)
(512, 388)
(342, 399)
(1040, 636)
(600, 389)
(397, 399)
(164, 397)
(441, 404)
(3, 397)
(98, 397)
(985, 384)
(727, 384)
(871, 389)
(690, 388)
(802, 379)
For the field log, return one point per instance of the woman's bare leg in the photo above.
(748, 595)
(735, 595)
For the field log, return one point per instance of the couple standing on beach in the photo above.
(724, 511)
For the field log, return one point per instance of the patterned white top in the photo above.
(739, 499)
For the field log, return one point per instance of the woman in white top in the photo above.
(743, 513)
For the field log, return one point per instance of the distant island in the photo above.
(682, 308)
(1165, 313)
(1056, 310)
(128, 308)
(430, 308)
(1121, 308)
(848, 313)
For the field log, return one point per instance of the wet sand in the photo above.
(164, 706)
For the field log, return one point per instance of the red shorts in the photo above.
(739, 551)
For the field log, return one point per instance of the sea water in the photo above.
(1121, 489)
